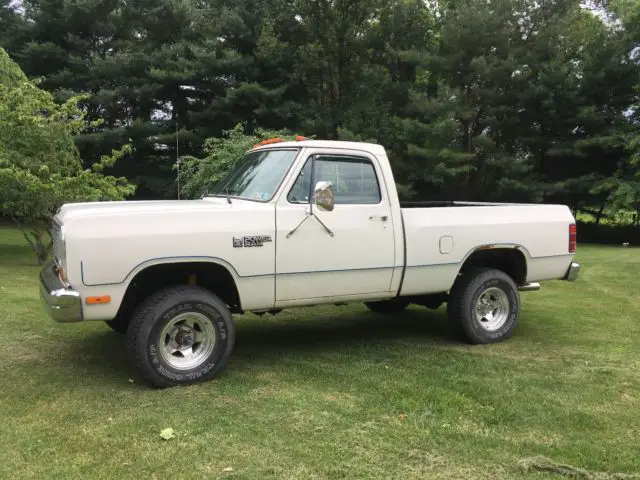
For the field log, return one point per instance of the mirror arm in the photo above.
(307, 216)
(299, 224)
(326, 229)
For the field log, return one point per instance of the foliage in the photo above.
(506, 100)
(199, 175)
(40, 168)
(623, 188)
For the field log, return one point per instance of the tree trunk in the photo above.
(42, 254)
(599, 215)
(35, 238)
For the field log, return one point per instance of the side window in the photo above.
(353, 179)
(300, 191)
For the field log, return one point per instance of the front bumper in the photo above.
(62, 304)
(572, 272)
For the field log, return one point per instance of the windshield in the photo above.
(256, 176)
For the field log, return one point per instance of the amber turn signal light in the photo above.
(101, 300)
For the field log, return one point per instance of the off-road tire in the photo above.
(464, 296)
(395, 305)
(159, 310)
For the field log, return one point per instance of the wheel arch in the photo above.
(215, 275)
(512, 259)
(180, 260)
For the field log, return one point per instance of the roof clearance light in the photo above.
(268, 141)
(299, 138)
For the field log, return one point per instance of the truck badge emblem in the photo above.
(251, 241)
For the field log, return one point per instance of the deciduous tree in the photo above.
(40, 168)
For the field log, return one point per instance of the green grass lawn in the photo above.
(333, 392)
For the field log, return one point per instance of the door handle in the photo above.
(382, 218)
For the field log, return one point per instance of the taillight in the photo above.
(572, 238)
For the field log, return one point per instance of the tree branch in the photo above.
(24, 233)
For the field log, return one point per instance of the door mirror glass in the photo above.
(323, 196)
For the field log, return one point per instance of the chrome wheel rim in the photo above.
(187, 341)
(492, 309)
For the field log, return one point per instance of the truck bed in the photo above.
(451, 203)
(438, 239)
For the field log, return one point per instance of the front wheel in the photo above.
(180, 335)
(484, 306)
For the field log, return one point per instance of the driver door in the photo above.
(336, 254)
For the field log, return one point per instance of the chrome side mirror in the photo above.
(323, 196)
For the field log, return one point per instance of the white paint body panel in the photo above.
(108, 243)
(540, 230)
(311, 264)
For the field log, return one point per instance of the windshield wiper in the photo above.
(226, 192)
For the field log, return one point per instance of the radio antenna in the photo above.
(177, 156)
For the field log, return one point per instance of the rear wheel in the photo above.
(180, 335)
(484, 306)
(395, 305)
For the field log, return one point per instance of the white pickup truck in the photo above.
(295, 223)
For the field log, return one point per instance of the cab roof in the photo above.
(373, 148)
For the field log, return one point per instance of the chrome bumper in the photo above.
(61, 303)
(529, 287)
(572, 272)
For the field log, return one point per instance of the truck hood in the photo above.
(72, 211)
